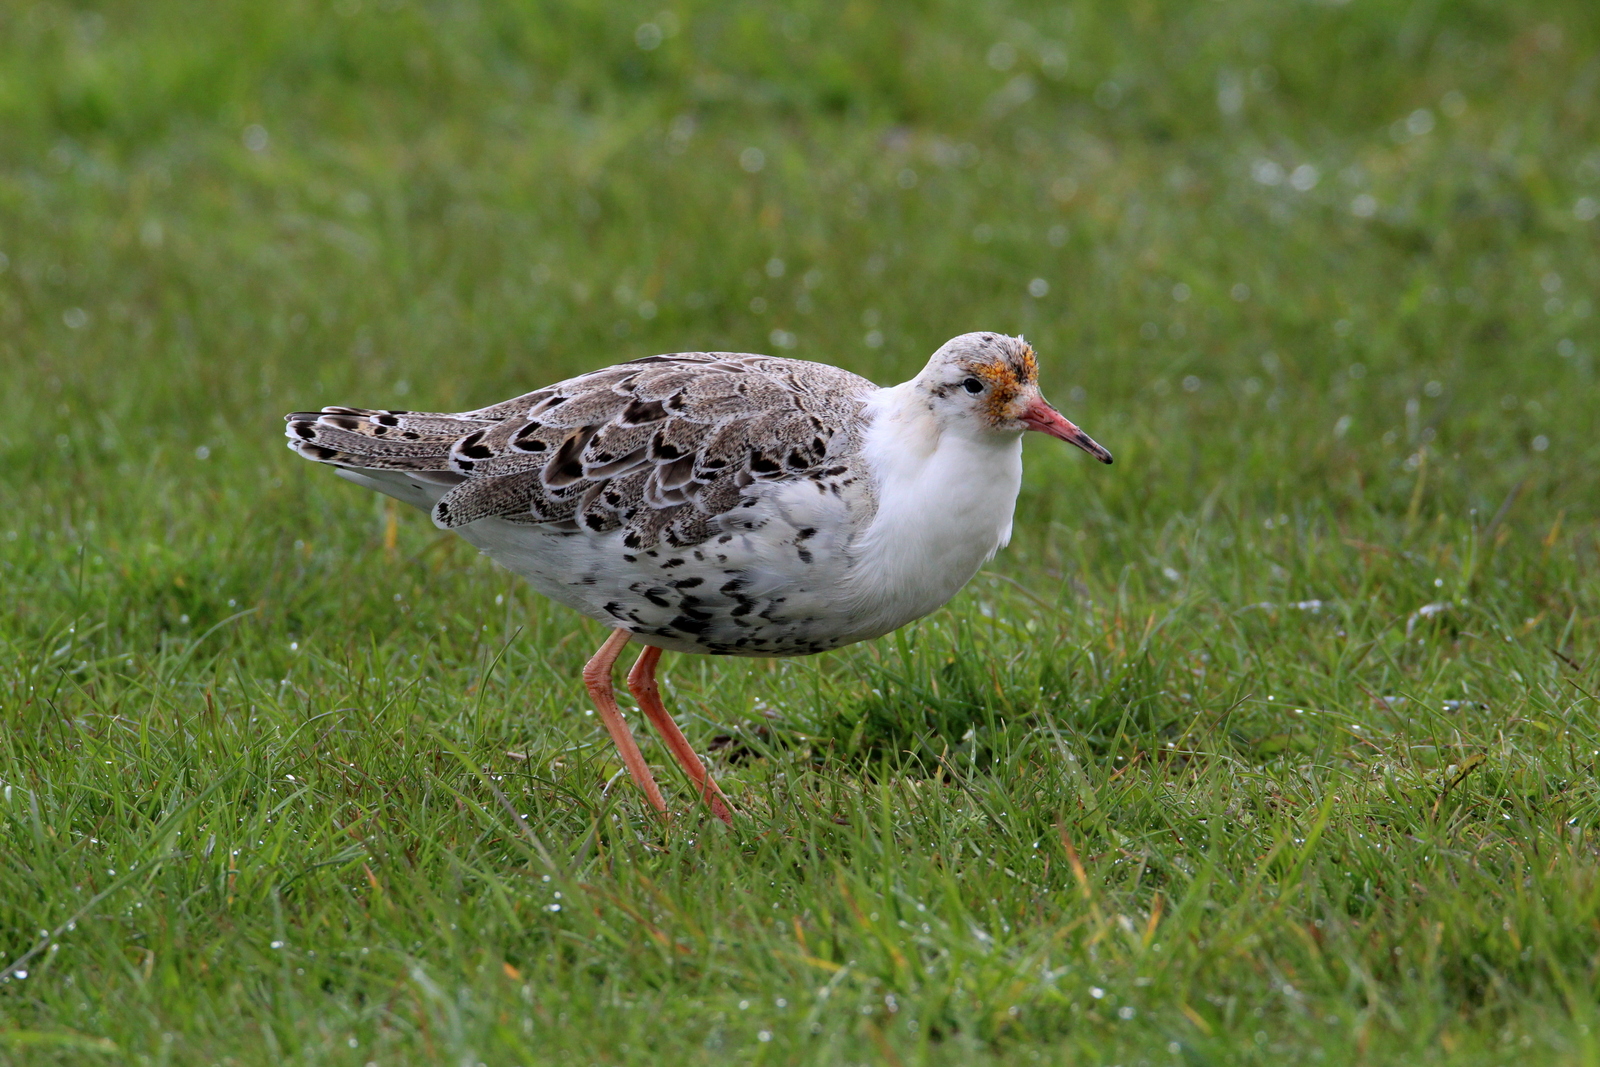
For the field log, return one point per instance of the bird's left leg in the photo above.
(642, 684)
(597, 679)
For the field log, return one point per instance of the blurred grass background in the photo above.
(1273, 743)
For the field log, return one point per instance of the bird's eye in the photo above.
(972, 385)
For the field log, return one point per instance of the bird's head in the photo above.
(991, 382)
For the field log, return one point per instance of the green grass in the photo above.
(1274, 743)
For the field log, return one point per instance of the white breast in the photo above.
(945, 501)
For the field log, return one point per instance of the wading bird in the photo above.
(721, 503)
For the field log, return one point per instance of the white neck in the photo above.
(946, 490)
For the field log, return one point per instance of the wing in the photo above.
(660, 448)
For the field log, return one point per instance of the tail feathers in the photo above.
(408, 455)
(379, 440)
(420, 489)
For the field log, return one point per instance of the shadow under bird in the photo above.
(721, 503)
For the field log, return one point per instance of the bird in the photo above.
(721, 503)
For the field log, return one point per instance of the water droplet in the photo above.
(1038, 288)
(1266, 172)
(1108, 94)
(1002, 55)
(1419, 122)
(1230, 92)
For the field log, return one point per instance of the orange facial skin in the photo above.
(1010, 382)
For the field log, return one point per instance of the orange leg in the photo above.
(642, 684)
(597, 679)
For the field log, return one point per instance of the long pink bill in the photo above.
(1046, 419)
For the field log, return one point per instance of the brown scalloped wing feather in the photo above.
(660, 446)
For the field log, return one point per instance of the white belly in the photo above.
(945, 505)
(767, 585)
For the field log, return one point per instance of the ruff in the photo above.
(721, 503)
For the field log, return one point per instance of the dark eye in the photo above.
(972, 385)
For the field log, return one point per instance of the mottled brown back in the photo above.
(658, 447)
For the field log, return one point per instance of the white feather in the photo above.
(946, 492)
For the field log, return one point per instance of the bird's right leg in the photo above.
(597, 679)
(642, 684)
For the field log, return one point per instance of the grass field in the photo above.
(1277, 742)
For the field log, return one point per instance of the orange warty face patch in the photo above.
(1003, 388)
(1029, 371)
(1007, 380)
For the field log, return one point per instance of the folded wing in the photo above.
(658, 448)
